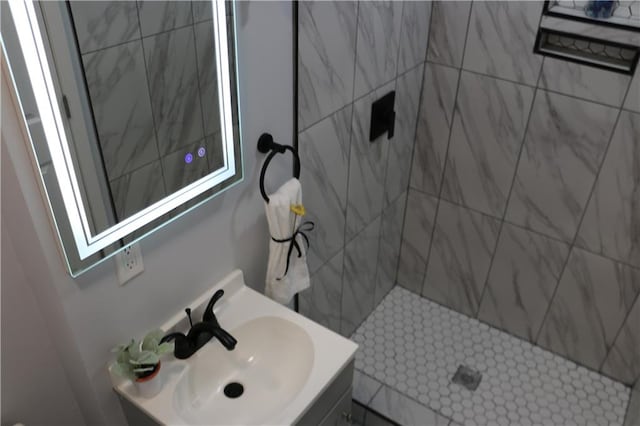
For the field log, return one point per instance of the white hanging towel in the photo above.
(287, 271)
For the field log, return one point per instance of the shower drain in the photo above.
(467, 377)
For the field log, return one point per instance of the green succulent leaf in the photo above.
(124, 370)
(146, 357)
(134, 349)
(164, 348)
(140, 357)
(152, 340)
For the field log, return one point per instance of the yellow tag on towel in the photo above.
(298, 209)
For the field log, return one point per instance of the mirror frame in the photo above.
(40, 77)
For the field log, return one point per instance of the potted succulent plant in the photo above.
(140, 362)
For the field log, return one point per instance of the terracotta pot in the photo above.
(151, 385)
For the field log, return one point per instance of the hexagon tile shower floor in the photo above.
(411, 348)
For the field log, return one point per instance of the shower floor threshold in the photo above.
(411, 348)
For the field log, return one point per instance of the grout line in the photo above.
(532, 86)
(533, 231)
(153, 118)
(593, 189)
(636, 300)
(354, 100)
(446, 156)
(399, 38)
(119, 44)
(346, 211)
(579, 224)
(141, 37)
(195, 48)
(413, 147)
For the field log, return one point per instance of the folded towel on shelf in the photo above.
(287, 271)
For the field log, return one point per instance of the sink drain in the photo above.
(233, 390)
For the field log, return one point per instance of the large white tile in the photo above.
(364, 387)
(326, 58)
(434, 122)
(488, 131)
(367, 163)
(177, 173)
(611, 224)
(120, 101)
(101, 24)
(623, 360)
(324, 158)
(416, 16)
(448, 31)
(501, 38)
(401, 145)
(564, 147)
(202, 10)
(173, 81)
(632, 103)
(377, 44)
(321, 302)
(416, 239)
(207, 76)
(389, 251)
(137, 190)
(524, 274)
(583, 81)
(461, 251)
(358, 284)
(157, 16)
(404, 410)
(593, 298)
(633, 413)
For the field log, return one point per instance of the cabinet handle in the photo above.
(348, 417)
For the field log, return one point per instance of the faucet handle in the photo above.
(208, 312)
(188, 312)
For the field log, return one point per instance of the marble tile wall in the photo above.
(350, 54)
(522, 209)
(149, 69)
(633, 411)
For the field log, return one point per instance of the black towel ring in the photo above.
(266, 144)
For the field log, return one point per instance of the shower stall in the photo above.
(485, 252)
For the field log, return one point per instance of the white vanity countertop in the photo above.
(239, 305)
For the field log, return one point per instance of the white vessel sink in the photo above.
(272, 362)
(283, 361)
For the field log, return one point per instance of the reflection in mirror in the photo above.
(132, 112)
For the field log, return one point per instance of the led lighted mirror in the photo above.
(132, 112)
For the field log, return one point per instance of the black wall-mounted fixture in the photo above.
(266, 145)
(383, 117)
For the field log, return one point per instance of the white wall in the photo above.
(26, 342)
(180, 260)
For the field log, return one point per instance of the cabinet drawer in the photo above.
(340, 415)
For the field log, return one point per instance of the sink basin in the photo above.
(272, 361)
(283, 362)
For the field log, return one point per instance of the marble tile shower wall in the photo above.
(149, 69)
(523, 207)
(350, 54)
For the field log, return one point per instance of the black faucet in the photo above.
(201, 332)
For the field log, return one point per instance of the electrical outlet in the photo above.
(129, 263)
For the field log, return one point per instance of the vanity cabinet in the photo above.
(331, 408)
